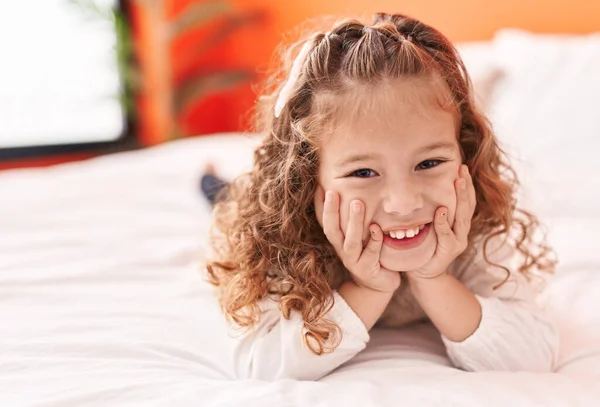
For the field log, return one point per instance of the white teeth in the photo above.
(401, 234)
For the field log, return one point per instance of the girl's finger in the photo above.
(371, 252)
(464, 211)
(331, 221)
(442, 228)
(470, 188)
(354, 232)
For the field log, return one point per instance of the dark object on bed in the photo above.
(211, 186)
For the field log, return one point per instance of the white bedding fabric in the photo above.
(101, 302)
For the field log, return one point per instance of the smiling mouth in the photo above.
(407, 243)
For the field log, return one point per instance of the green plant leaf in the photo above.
(128, 71)
(92, 9)
(197, 14)
(200, 86)
(124, 50)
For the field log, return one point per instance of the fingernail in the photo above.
(329, 196)
(443, 214)
(356, 207)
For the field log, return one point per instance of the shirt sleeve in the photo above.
(514, 333)
(274, 348)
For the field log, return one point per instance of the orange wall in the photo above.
(166, 64)
(458, 19)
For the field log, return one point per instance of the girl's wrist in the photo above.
(381, 290)
(418, 282)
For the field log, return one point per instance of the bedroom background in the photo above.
(184, 67)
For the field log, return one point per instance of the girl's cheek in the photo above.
(442, 193)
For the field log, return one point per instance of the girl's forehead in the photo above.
(420, 94)
(413, 104)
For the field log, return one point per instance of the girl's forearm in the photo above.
(453, 309)
(368, 304)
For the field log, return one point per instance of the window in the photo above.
(59, 76)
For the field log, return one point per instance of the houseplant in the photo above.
(157, 89)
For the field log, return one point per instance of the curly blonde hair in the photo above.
(268, 240)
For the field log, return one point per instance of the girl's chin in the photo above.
(402, 266)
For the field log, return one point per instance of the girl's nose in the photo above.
(402, 198)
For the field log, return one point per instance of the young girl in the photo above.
(379, 194)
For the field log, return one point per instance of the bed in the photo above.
(102, 299)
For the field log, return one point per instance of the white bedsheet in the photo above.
(101, 302)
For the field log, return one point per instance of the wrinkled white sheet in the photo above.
(101, 302)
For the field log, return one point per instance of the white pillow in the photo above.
(546, 112)
(479, 60)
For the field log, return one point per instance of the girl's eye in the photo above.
(427, 164)
(363, 173)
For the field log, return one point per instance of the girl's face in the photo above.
(400, 157)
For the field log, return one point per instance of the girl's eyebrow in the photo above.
(439, 145)
(357, 158)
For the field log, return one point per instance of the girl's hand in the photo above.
(451, 241)
(363, 264)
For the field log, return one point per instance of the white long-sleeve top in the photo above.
(514, 334)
